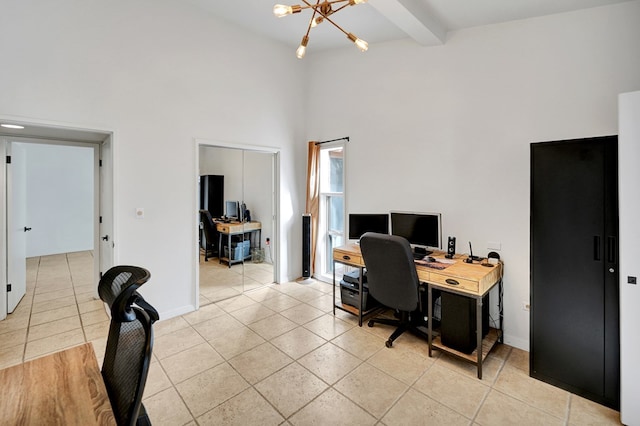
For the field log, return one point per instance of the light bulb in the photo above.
(317, 21)
(302, 49)
(362, 45)
(281, 10)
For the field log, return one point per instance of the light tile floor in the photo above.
(219, 282)
(277, 355)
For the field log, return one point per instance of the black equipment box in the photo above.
(458, 322)
(350, 295)
(354, 278)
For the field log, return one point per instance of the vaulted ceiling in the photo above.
(425, 21)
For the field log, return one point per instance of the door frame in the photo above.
(48, 133)
(275, 204)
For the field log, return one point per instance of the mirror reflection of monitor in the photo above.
(423, 230)
(231, 209)
(361, 223)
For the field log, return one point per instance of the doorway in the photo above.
(237, 187)
(99, 204)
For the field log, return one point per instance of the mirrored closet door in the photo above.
(237, 221)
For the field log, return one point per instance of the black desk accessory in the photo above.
(470, 258)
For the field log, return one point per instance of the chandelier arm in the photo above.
(316, 8)
(311, 20)
(313, 6)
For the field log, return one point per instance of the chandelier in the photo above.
(322, 10)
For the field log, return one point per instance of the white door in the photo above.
(16, 227)
(105, 235)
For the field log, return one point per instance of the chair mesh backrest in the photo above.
(391, 271)
(126, 365)
(128, 353)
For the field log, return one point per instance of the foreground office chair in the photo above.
(393, 281)
(210, 235)
(128, 353)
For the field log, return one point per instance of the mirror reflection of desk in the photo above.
(231, 229)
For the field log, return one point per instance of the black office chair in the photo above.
(393, 281)
(129, 344)
(210, 235)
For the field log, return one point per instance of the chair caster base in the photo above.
(388, 343)
(370, 323)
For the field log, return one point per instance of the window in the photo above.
(331, 228)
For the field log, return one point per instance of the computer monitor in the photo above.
(369, 222)
(231, 209)
(423, 230)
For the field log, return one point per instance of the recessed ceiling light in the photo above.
(12, 126)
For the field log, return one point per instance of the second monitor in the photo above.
(370, 222)
(422, 230)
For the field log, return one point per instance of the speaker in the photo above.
(451, 247)
(306, 246)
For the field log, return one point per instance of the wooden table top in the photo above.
(63, 388)
(472, 279)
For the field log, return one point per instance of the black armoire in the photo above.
(212, 194)
(574, 273)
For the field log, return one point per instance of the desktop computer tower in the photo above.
(458, 322)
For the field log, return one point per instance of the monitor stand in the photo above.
(420, 252)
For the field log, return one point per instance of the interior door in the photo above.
(105, 243)
(16, 227)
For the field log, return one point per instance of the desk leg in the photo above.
(220, 247)
(230, 254)
(334, 288)
(500, 310)
(361, 296)
(479, 335)
(429, 316)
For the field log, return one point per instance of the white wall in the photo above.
(60, 199)
(629, 176)
(447, 129)
(159, 74)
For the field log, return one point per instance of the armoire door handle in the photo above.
(612, 250)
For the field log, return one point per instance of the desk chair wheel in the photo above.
(370, 323)
(388, 343)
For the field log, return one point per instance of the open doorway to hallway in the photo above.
(75, 216)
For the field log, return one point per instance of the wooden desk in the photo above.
(236, 228)
(470, 280)
(64, 388)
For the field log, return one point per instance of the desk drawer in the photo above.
(348, 257)
(462, 283)
(224, 228)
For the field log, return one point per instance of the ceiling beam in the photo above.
(412, 17)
